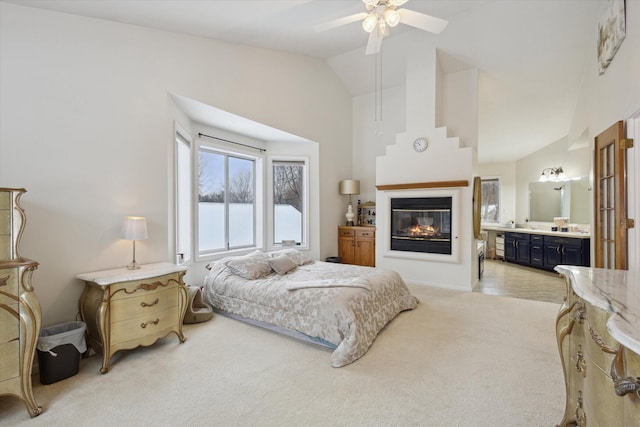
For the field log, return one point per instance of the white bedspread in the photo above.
(348, 314)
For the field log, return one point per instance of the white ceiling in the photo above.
(531, 54)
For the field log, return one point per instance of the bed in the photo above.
(341, 306)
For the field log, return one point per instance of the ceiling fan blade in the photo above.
(422, 21)
(339, 22)
(374, 43)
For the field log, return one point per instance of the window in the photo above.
(490, 209)
(183, 199)
(226, 201)
(289, 206)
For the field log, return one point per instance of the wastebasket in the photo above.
(59, 348)
(334, 259)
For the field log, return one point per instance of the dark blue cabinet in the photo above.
(565, 250)
(537, 250)
(517, 247)
(543, 251)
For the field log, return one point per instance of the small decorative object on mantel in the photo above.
(367, 214)
(350, 187)
(611, 33)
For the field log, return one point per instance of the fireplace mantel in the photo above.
(418, 185)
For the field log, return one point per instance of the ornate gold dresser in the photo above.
(598, 333)
(124, 309)
(20, 315)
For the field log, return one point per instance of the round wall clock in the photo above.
(420, 144)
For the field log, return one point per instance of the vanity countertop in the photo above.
(574, 234)
(615, 291)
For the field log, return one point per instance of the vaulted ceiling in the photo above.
(531, 54)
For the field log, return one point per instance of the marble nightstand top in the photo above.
(615, 291)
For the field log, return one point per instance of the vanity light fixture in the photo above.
(134, 228)
(553, 174)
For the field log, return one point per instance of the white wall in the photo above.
(370, 138)
(87, 129)
(460, 106)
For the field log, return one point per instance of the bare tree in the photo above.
(241, 187)
(287, 185)
(206, 194)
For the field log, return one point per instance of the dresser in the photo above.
(357, 245)
(20, 316)
(598, 335)
(124, 309)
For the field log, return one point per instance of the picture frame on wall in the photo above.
(611, 32)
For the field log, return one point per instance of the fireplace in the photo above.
(421, 224)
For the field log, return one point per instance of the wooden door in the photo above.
(610, 199)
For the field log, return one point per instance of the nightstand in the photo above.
(125, 309)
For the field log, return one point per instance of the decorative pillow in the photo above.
(282, 264)
(298, 257)
(252, 266)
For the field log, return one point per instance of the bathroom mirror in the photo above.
(560, 198)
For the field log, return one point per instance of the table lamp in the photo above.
(134, 228)
(349, 187)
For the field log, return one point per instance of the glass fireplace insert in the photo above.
(421, 224)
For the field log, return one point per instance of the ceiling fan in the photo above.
(382, 14)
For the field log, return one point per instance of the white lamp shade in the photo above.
(350, 186)
(134, 228)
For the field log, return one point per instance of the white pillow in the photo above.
(282, 264)
(298, 257)
(252, 266)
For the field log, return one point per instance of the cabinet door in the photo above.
(552, 255)
(346, 249)
(365, 252)
(522, 251)
(509, 249)
(572, 255)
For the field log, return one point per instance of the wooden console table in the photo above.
(598, 334)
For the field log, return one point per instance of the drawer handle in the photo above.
(144, 304)
(151, 322)
(3, 280)
(581, 364)
(581, 420)
(622, 384)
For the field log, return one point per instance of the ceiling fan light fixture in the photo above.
(392, 17)
(370, 22)
(370, 3)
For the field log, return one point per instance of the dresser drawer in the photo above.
(366, 233)
(8, 285)
(9, 324)
(346, 232)
(143, 304)
(147, 325)
(596, 334)
(139, 287)
(9, 360)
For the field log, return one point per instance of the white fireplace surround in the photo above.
(384, 227)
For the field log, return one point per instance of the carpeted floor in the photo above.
(459, 359)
